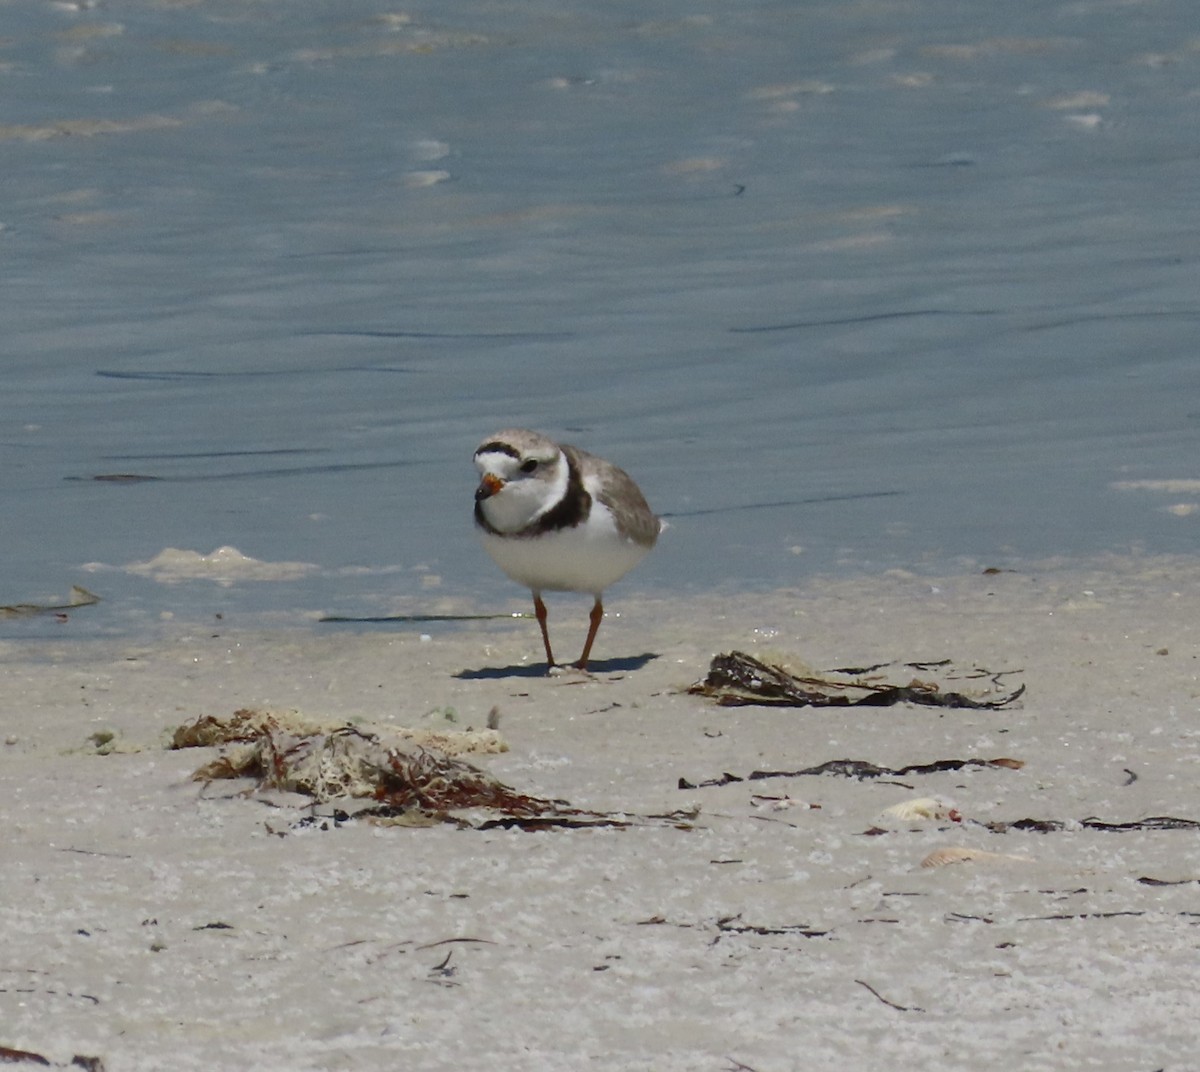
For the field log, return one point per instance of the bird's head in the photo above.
(522, 475)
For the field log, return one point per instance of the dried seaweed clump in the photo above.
(403, 774)
(737, 679)
(249, 724)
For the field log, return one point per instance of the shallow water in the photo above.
(843, 285)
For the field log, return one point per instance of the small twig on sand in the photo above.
(889, 1004)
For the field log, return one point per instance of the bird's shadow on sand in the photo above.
(595, 668)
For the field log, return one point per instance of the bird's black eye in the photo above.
(529, 466)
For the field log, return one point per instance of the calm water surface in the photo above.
(844, 285)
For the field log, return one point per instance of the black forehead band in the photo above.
(496, 447)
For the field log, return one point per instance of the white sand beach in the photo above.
(151, 921)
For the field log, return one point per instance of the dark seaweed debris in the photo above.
(1049, 826)
(856, 768)
(737, 679)
(80, 597)
(10, 1056)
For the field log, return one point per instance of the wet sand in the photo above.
(152, 921)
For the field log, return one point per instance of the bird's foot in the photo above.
(559, 669)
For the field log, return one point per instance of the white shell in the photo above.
(956, 854)
(921, 808)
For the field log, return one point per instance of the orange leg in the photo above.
(596, 617)
(539, 610)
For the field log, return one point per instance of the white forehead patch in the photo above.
(498, 462)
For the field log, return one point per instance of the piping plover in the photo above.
(557, 519)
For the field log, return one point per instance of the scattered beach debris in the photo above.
(736, 679)
(1147, 880)
(1088, 915)
(80, 597)
(781, 802)
(734, 924)
(10, 1056)
(443, 974)
(890, 1004)
(410, 777)
(1050, 826)
(955, 854)
(919, 809)
(106, 743)
(856, 768)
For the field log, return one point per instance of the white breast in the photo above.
(586, 558)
